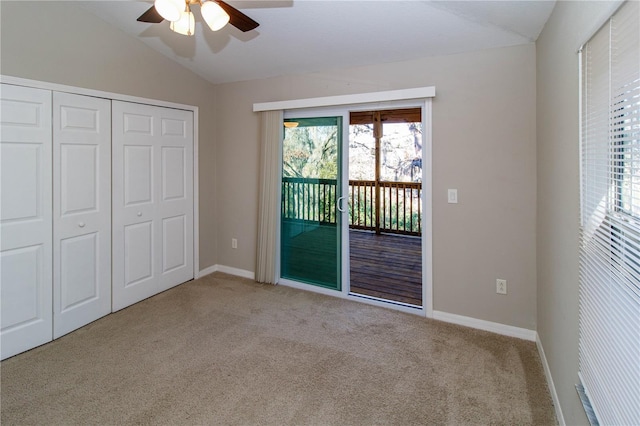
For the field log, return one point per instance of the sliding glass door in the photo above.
(310, 245)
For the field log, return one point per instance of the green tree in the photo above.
(310, 152)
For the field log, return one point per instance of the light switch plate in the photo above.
(452, 196)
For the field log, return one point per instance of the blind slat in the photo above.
(609, 296)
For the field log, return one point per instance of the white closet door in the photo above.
(81, 211)
(152, 200)
(25, 219)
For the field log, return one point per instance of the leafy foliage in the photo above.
(311, 152)
(401, 152)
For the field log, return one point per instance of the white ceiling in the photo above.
(301, 36)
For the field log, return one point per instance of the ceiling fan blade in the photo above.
(151, 16)
(237, 18)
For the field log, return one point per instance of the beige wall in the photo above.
(483, 144)
(570, 25)
(61, 43)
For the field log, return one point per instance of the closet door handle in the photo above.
(139, 214)
(81, 224)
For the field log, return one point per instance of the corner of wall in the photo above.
(550, 383)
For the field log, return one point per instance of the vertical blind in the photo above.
(609, 300)
(269, 196)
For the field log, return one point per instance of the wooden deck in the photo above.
(386, 266)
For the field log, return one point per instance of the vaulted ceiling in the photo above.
(302, 36)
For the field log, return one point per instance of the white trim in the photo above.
(359, 98)
(494, 327)
(427, 209)
(196, 195)
(580, 133)
(227, 270)
(207, 271)
(17, 81)
(389, 304)
(312, 288)
(552, 387)
(235, 271)
(345, 249)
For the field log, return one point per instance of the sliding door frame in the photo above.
(299, 109)
(426, 218)
(344, 186)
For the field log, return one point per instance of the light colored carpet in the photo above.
(225, 350)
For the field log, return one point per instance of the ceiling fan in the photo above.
(216, 13)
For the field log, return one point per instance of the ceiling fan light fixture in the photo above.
(171, 10)
(185, 25)
(214, 15)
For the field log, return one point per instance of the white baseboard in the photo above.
(207, 271)
(237, 272)
(227, 270)
(494, 327)
(552, 387)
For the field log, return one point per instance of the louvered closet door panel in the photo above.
(152, 200)
(82, 210)
(25, 219)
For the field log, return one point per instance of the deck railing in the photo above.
(310, 200)
(389, 207)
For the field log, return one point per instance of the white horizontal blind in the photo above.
(610, 220)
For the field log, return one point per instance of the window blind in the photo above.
(609, 299)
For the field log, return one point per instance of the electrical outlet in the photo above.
(501, 286)
(234, 243)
